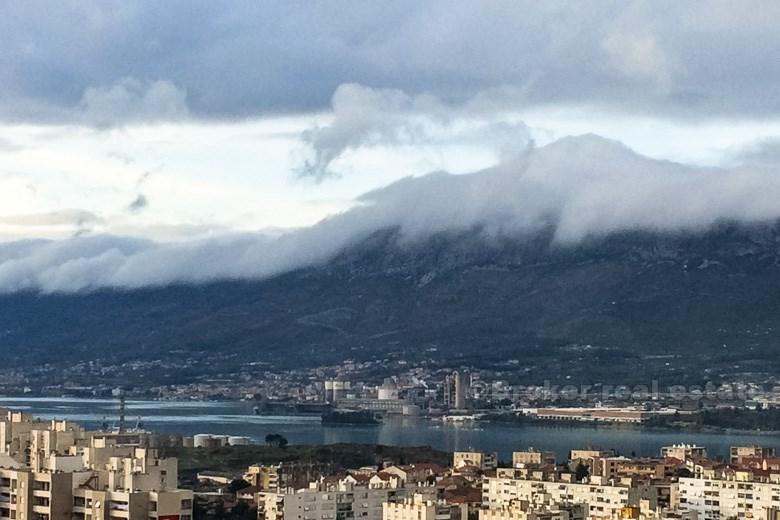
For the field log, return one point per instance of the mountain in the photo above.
(626, 307)
(577, 261)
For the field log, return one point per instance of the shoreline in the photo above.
(496, 419)
(617, 426)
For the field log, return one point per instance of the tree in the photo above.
(581, 472)
(241, 511)
(237, 485)
(276, 440)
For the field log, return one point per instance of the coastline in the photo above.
(618, 426)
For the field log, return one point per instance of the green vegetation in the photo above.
(276, 440)
(237, 458)
(743, 419)
(722, 419)
(581, 472)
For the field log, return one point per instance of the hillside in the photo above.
(630, 306)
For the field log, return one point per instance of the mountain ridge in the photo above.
(602, 309)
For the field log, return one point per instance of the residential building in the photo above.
(341, 500)
(532, 457)
(525, 510)
(604, 498)
(731, 494)
(418, 507)
(58, 471)
(264, 478)
(740, 453)
(482, 460)
(684, 452)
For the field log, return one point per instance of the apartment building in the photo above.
(419, 507)
(264, 478)
(479, 459)
(27, 495)
(532, 457)
(604, 498)
(413, 473)
(617, 467)
(342, 500)
(684, 452)
(731, 494)
(740, 453)
(18, 441)
(173, 504)
(525, 510)
(57, 471)
(589, 453)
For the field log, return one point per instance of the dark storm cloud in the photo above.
(106, 62)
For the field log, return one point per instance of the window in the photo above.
(41, 501)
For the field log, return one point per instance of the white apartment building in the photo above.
(604, 498)
(338, 501)
(739, 494)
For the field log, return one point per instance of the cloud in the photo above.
(764, 152)
(9, 146)
(584, 186)
(138, 204)
(365, 117)
(66, 217)
(639, 57)
(711, 59)
(66, 222)
(132, 100)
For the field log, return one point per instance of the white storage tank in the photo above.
(202, 440)
(238, 440)
(221, 440)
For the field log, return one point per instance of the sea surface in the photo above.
(236, 418)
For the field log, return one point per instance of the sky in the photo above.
(183, 123)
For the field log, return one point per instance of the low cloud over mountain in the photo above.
(583, 186)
